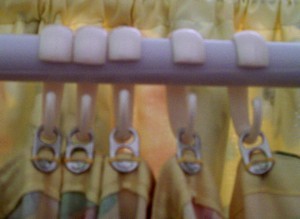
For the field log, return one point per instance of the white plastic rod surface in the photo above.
(19, 62)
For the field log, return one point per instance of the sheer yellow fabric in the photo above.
(19, 177)
(132, 190)
(276, 20)
(88, 183)
(139, 181)
(176, 192)
(274, 195)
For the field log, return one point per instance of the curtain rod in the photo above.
(19, 62)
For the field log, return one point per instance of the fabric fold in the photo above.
(179, 195)
(21, 182)
(273, 195)
(80, 192)
(126, 195)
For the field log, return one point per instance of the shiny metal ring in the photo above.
(46, 165)
(124, 166)
(189, 167)
(261, 167)
(79, 166)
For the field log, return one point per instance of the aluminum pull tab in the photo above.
(46, 165)
(257, 167)
(79, 166)
(124, 165)
(189, 166)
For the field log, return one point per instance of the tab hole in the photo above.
(79, 154)
(124, 150)
(48, 139)
(258, 141)
(46, 153)
(76, 140)
(257, 155)
(183, 138)
(127, 141)
(189, 156)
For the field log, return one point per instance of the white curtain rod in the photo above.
(19, 62)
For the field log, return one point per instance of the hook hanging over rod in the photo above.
(19, 62)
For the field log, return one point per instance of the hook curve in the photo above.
(182, 108)
(49, 115)
(123, 119)
(123, 113)
(252, 52)
(52, 96)
(238, 97)
(191, 113)
(86, 100)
